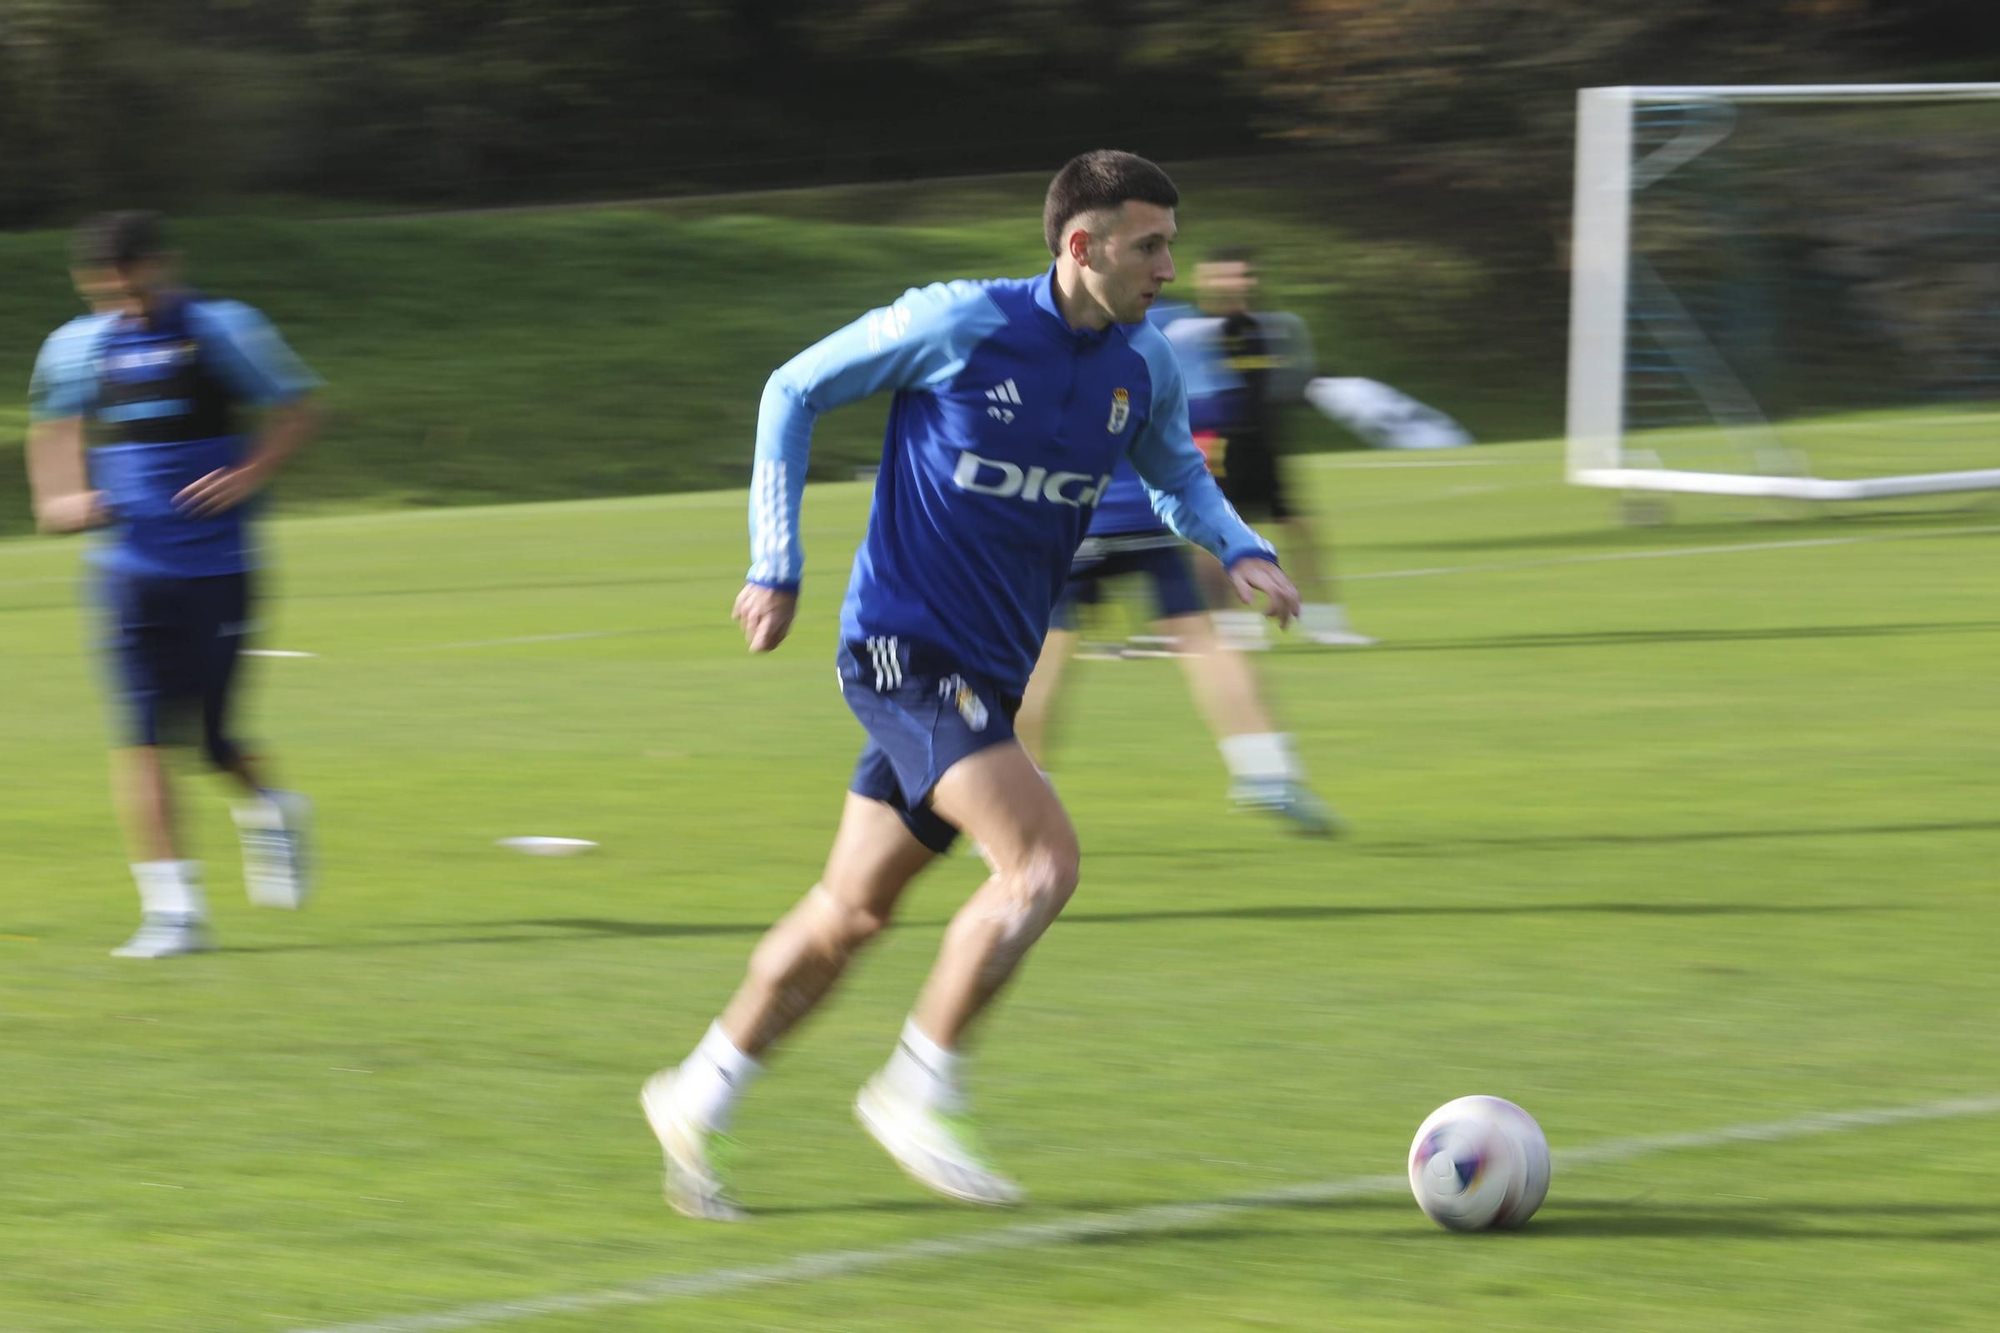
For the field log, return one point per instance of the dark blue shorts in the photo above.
(923, 714)
(173, 646)
(1168, 568)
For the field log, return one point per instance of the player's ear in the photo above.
(1078, 242)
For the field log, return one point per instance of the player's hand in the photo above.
(765, 614)
(1254, 574)
(221, 490)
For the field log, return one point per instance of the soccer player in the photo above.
(137, 427)
(1014, 402)
(1244, 367)
(1127, 539)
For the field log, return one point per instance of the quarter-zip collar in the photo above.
(1045, 297)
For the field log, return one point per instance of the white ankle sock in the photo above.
(169, 888)
(1240, 626)
(922, 1069)
(1261, 757)
(713, 1078)
(1323, 618)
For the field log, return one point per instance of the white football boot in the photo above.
(166, 935)
(697, 1182)
(277, 864)
(937, 1148)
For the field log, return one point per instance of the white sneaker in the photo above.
(938, 1150)
(164, 936)
(277, 867)
(1326, 623)
(696, 1182)
(1291, 801)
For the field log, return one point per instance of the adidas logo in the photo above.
(1003, 394)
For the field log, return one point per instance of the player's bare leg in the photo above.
(1322, 617)
(144, 792)
(1240, 628)
(1033, 722)
(1001, 798)
(916, 1106)
(873, 860)
(1264, 768)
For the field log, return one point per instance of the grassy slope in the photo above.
(542, 355)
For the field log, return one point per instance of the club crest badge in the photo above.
(970, 706)
(1121, 411)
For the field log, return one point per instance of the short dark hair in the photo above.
(117, 240)
(1102, 179)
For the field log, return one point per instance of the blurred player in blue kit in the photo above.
(138, 426)
(1245, 369)
(1127, 540)
(1015, 400)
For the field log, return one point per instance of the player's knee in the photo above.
(841, 927)
(1036, 890)
(1049, 877)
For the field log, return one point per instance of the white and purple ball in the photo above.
(1479, 1162)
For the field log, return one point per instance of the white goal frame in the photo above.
(1601, 277)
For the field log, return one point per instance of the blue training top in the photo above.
(1004, 432)
(159, 398)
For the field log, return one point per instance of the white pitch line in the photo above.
(1130, 1222)
(1669, 553)
(276, 652)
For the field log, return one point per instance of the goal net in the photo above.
(1790, 292)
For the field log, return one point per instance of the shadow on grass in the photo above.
(1813, 1220)
(1765, 1219)
(1674, 838)
(538, 930)
(1396, 1217)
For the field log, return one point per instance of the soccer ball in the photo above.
(1479, 1162)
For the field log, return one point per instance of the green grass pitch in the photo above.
(1656, 832)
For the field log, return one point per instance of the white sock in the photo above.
(1261, 757)
(1323, 618)
(1240, 626)
(922, 1069)
(713, 1078)
(169, 888)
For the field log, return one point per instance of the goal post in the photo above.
(1786, 291)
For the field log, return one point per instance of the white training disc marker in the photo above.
(548, 846)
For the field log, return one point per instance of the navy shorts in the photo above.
(173, 646)
(923, 713)
(1167, 567)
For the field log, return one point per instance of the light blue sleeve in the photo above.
(923, 339)
(242, 347)
(1176, 476)
(63, 383)
(1197, 344)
